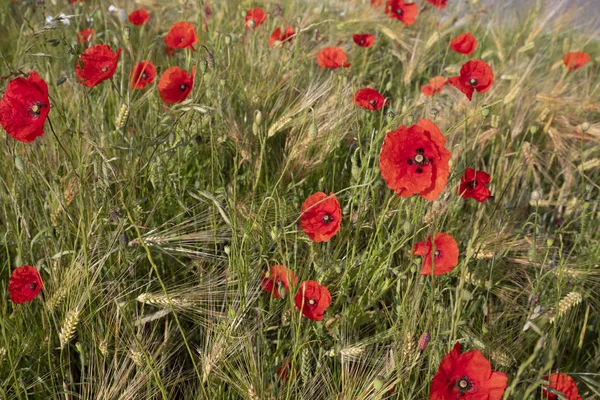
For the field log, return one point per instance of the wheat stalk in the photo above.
(122, 117)
(565, 304)
(69, 327)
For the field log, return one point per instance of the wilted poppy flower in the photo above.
(283, 372)
(436, 84)
(438, 3)
(562, 383)
(312, 299)
(473, 185)
(139, 17)
(404, 12)
(278, 281)
(181, 35)
(24, 107)
(96, 64)
(332, 57)
(445, 254)
(370, 99)
(279, 37)
(321, 216)
(474, 75)
(142, 75)
(24, 284)
(467, 376)
(175, 85)
(414, 160)
(465, 43)
(85, 36)
(575, 60)
(255, 17)
(364, 40)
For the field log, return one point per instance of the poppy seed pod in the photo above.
(203, 66)
(227, 40)
(378, 383)
(389, 117)
(19, 164)
(485, 111)
(410, 118)
(258, 118)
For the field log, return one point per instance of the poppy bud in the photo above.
(313, 130)
(389, 116)
(61, 81)
(585, 126)
(251, 24)
(378, 383)
(485, 111)
(258, 118)
(424, 341)
(255, 129)
(227, 250)
(227, 40)
(533, 129)
(203, 66)
(410, 118)
(54, 42)
(127, 32)
(388, 86)
(19, 164)
(549, 242)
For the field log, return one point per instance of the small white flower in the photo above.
(62, 17)
(119, 11)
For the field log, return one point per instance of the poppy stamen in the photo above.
(311, 302)
(36, 108)
(463, 385)
(399, 12)
(372, 102)
(145, 75)
(104, 69)
(327, 219)
(473, 82)
(183, 87)
(33, 285)
(437, 254)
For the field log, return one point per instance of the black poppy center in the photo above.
(327, 219)
(36, 109)
(361, 42)
(437, 254)
(472, 185)
(182, 87)
(473, 82)
(399, 12)
(104, 69)
(180, 40)
(33, 285)
(464, 384)
(373, 102)
(145, 75)
(419, 160)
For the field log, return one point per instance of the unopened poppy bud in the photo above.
(378, 383)
(127, 32)
(227, 250)
(19, 164)
(406, 227)
(251, 24)
(227, 40)
(533, 129)
(61, 81)
(410, 118)
(549, 242)
(258, 118)
(388, 86)
(203, 66)
(274, 234)
(313, 130)
(255, 129)
(54, 42)
(389, 116)
(585, 126)
(485, 111)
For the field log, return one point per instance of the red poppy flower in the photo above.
(283, 372)
(576, 59)
(446, 254)
(414, 160)
(279, 38)
(175, 85)
(257, 16)
(562, 383)
(473, 185)
(436, 84)
(24, 107)
(332, 57)
(24, 284)
(438, 3)
(278, 281)
(321, 216)
(85, 36)
(364, 40)
(465, 43)
(312, 299)
(467, 376)
(404, 12)
(96, 64)
(370, 99)
(181, 35)
(474, 75)
(142, 74)
(139, 17)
